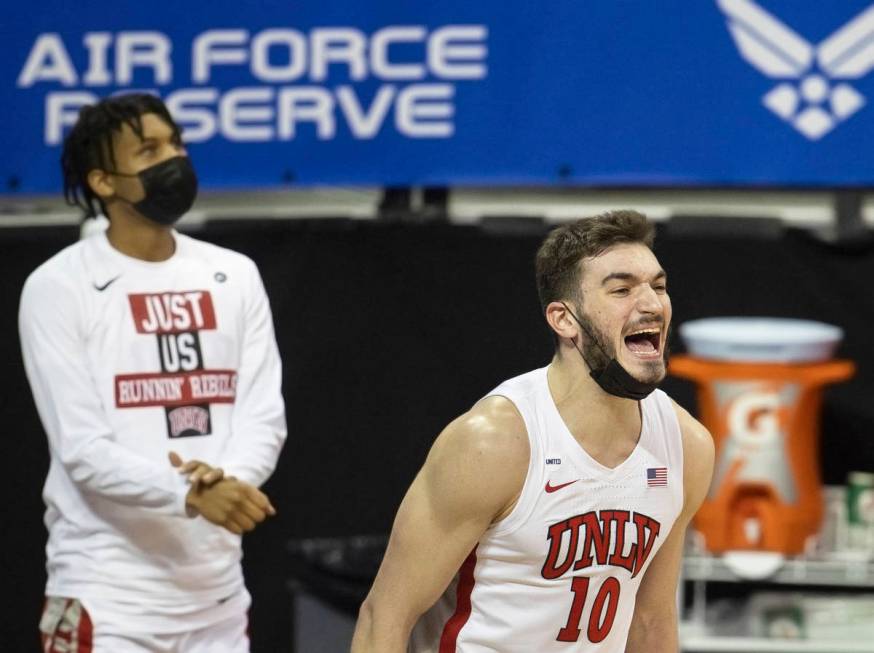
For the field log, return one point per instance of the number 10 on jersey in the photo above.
(602, 615)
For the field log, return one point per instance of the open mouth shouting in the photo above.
(645, 343)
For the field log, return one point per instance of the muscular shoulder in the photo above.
(479, 462)
(697, 441)
(492, 434)
(698, 457)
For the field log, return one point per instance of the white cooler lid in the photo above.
(761, 339)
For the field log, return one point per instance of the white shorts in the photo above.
(67, 627)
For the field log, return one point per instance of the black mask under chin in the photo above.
(613, 378)
(170, 187)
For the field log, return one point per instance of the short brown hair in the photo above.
(557, 263)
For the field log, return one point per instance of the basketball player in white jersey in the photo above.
(551, 516)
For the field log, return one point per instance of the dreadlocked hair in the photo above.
(88, 145)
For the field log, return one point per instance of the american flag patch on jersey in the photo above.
(656, 476)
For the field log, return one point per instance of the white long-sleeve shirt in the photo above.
(129, 360)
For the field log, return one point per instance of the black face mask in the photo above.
(170, 187)
(613, 378)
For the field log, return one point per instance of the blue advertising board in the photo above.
(601, 93)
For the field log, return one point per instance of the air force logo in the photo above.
(811, 95)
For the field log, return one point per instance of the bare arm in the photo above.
(472, 477)
(654, 626)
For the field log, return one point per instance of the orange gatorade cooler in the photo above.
(759, 392)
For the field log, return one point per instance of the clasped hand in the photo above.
(225, 501)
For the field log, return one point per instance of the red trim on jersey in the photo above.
(449, 638)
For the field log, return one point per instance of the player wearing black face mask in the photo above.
(125, 157)
(170, 188)
(119, 334)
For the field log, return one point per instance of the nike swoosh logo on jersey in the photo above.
(553, 488)
(106, 285)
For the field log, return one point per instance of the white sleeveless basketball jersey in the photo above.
(561, 571)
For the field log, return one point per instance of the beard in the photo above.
(597, 351)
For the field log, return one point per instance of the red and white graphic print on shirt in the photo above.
(183, 387)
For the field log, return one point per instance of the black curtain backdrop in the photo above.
(387, 332)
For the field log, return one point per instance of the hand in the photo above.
(232, 504)
(199, 473)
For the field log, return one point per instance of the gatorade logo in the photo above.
(754, 417)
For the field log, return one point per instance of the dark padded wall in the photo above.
(387, 332)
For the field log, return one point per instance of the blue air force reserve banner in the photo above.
(701, 92)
